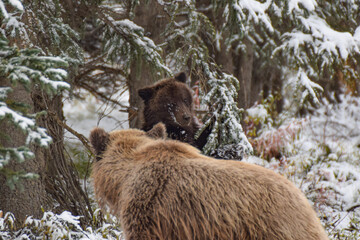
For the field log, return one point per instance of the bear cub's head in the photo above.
(123, 140)
(170, 101)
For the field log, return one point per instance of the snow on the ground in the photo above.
(60, 226)
(322, 159)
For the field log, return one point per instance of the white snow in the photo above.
(58, 71)
(17, 4)
(52, 59)
(308, 4)
(257, 11)
(60, 226)
(68, 217)
(330, 39)
(4, 160)
(322, 38)
(23, 122)
(39, 136)
(12, 22)
(309, 86)
(4, 91)
(258, 112)
(55, 84)
(222, 94)
(3, 10)
(126, 23)
(357, 35)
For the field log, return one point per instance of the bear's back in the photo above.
(190, 196)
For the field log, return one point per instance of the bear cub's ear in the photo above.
(158, 131)
(99, 139)
(181, 77)
(146, 93)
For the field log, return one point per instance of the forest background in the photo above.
(279, 80)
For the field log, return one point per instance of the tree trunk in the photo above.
(32, 197)
(61, 179)
(243, 63)
(58, 185)
(153, 20)
(136, 81)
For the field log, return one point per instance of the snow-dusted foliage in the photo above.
(319, 44)
(41, 26)
(14, 3)
(299, 91)
(59, 226)
(126, 39)
(312, 39)
(320, 154)
(27, 68)
(126, 44)
(246, 13)
(227, 139)
(186, 33)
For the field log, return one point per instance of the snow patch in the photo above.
(17, 4)
(307, 4)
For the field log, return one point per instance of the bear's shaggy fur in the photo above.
(165, 189)
(170, 101)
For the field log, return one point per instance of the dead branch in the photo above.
(81, 137)
(101, 95)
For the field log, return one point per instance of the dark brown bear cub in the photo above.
(170, 101)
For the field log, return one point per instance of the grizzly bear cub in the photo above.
(165, 189)
(170, 101)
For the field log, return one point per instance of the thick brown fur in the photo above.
(164, 189)
(170, 101)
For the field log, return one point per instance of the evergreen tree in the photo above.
(27, 68)
(227, 139)
(24, 72)
(320, 45)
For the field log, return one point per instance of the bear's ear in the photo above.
(99, 139)
(146, 93)
(181, 77)
(158, 131)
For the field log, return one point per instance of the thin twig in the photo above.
(101, 95)
(88, 68)
(81, 137)
(353, 208)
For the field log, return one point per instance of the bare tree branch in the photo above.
(81, 137)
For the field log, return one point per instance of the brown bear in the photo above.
(165, 189)
(170, 101)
